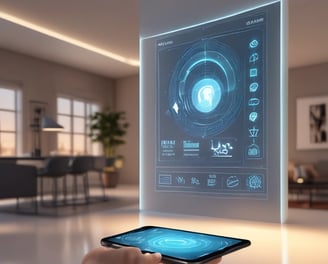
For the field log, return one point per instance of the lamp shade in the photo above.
(49, 124)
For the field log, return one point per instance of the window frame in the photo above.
(17, 112)
(88, 146)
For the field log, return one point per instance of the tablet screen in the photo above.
(177, 244)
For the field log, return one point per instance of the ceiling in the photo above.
(113, 27)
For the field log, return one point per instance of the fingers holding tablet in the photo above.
(126, 255)
(177, 246)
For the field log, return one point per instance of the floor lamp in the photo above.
(41, 123)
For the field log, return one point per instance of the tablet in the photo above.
(177, 246)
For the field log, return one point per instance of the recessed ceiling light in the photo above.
(67, 39)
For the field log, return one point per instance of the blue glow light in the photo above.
(183, 245)
(206, 95)
(283, 111)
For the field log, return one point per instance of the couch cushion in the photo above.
(17, 181)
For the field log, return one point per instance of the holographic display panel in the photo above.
(211, 112)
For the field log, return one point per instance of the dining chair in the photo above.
(99, 163)
(56, 168)
(79, 167)
(18, 181)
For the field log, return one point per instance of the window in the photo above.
(73, 115)
(9, 106)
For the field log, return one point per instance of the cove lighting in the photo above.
(67, 39)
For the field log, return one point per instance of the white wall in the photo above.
(40, 80)
(127, 99)
(306, 81)
(159, 16)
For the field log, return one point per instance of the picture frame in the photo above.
(312, 118)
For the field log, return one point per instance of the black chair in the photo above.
(99, 163)
(79, 167)
(55, 168)
(18, 181)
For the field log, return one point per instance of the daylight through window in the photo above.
(8, 121)
(73, 115)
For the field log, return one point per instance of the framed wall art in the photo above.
(311, 120)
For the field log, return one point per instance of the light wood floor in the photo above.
(61, 239)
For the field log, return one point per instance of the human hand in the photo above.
(214, 261)
(126, 255)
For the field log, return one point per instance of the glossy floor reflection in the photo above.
(65, 239)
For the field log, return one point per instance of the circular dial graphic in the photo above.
(181, 244)
(185, 247)
(204, 91)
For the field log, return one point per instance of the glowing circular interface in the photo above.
(205, 92)
(206, 95)
(177, 243)
(182, 244)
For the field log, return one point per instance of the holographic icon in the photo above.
(254, 44)
(206, 95)
(180, 180)
(255, 182)
(253, 132)
(195, 181)
(253, 87)
(175, 108)
(211, 181)
(253, 116)
(253, 151)
(221, 150)
(253, 101)
(254, 57)
(253, 72)
(232, 181)
(165, 179)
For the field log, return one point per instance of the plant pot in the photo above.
(110, 179)
(110, 162)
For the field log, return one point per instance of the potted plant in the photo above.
(109, 128)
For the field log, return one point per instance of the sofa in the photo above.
(309, 181)
(18, 181)
(308, 172)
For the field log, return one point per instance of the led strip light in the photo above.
(68, 39)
